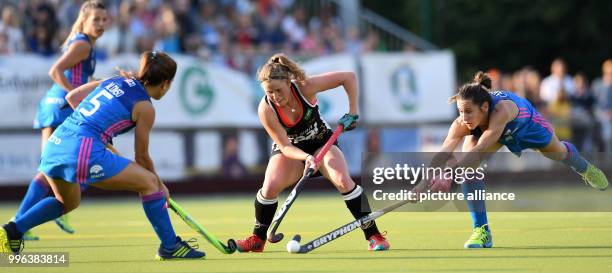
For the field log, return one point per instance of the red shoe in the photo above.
(250, 244)
(377, 242)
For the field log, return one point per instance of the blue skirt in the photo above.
(77, 158)
(53, 109)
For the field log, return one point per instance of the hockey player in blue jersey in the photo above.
(73, 69)
(76, 154)
(491, 119)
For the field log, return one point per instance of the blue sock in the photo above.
(574, 159)
(157, 212)
(477, 208)
(37, 190)
(44, 211)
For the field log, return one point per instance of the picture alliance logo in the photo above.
(196, 91)
(404, 88)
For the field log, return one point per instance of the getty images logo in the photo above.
(96, 171)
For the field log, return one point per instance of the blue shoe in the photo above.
(481, 238)
(64, 224)
(182, 250)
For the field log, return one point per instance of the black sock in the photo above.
(11, 231)
(355, 200)
(264, 213)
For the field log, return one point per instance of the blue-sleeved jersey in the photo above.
(527, 130)
(107, 111)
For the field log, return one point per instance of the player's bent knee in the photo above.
(270, 190)
(70, 205)
(149, 183)
(344, 183)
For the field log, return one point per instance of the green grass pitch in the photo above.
(114, 236)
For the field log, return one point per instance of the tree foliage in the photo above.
(510, 34)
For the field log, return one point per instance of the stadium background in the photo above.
(207, 130)
(409, 57)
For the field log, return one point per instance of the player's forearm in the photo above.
(293, 152)
(474, 156)
(75, 96)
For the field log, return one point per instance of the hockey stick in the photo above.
(231, 244)
(192, 223)
(345, 229)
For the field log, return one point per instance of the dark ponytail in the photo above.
(155, 68)
(482, 79)
(476, 90)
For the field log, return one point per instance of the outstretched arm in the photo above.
(504, 112)
(331, 80)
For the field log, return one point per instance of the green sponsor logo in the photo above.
(196, 92)
(403, 86)
(308, 114)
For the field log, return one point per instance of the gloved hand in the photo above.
(349, 121)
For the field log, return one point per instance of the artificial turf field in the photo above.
(114, 236)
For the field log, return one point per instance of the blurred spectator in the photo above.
(142, 18)
(118, 38)
(495, 75)
(311, 44)
(166, 29)
(11, 36)
(354, 45)
(583, 118)
(372, 42)
(294, 27)
(42, 37)
(560, 111)
(245, 34)
(231, 165)
(68, 12)
(326, 18)
(41, 41)
(532, 88)
(205, 28)
(210, 35)
(519, 82)
(556, 82)
(330, 40)
(188, 37)
(507, 82)
(271, 33)
(602, 89)
(3, 44)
